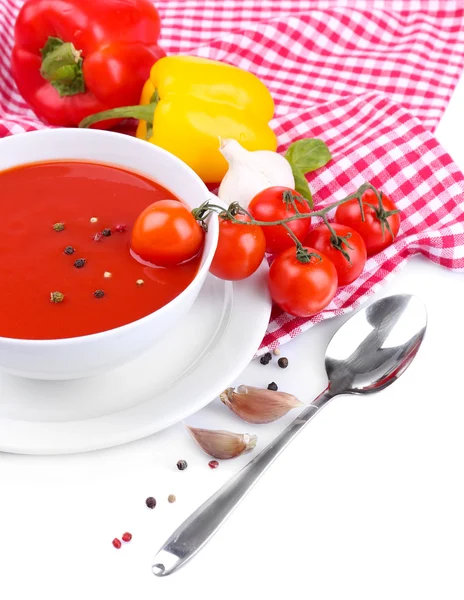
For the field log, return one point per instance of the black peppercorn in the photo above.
(79, 263)
(283, 362)
(150, 502)
(182, 465)
(106, 232)
(266, 358)
(99, 293)
(69, 250)
(272, 386)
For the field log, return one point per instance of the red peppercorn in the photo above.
(213, 464)
(116, 543)
(127, 537)
(120, 228)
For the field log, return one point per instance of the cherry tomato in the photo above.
(240, 249)
(322, 240)
(166, 234)
(302, 289)
(373, 229)
(275, 204)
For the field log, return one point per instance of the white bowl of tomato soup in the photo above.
(75, 301)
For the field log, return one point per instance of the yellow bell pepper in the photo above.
(188, 103)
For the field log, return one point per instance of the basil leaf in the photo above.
(301, 185)
(308, 155)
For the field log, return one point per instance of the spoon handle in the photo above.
(197, 529)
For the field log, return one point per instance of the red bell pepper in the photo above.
(73, 58)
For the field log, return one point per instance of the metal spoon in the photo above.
(368, 353)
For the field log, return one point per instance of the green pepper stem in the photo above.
(62, 67)
(142, 112)
(60, 63)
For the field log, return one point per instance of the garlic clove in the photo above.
(223, 444)
(251, 172)
(258, 406)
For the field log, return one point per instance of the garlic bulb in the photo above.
(251, 172)
(256, 405)
(223, 444)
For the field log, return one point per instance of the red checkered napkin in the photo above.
(373, 139)
(369, 77)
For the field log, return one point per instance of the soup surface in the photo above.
(108, 288)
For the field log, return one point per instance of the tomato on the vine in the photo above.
(240, 249)
(346, 250)
(166, 234)
(380, 224)
(275, 204)
(302, 288)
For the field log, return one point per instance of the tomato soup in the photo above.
(65, 227)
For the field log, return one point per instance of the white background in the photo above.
(366, 504)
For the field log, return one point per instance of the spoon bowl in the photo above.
(368, 353)
(376, 345)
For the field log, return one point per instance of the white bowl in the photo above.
(78, 357)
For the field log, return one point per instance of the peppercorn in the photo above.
(272, 386)
(106, 232)
(69, 250)
(266, 358)
(213, 464)
(79, 263)
(116, 543)
(182, 465)
(56, 297)
(120, 228)
(58, 226)
(150, 502)
(139, 282)
(283, 362)
(99, 293)
(94, 220)
(97, 237)
(126, 537)
(276, 351)
(171, 498)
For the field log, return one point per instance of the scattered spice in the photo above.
(120, 228)
(116, 543)
(56, 297)
(69, 250)
(266, 358)
(107, 275)
(276, 351)
(99, 293)
(150, 502)
(171, 498)
(106, 232)
(94, 220)
(97, 237)
(213, 464)
(182, 465)
(58, 226)
(126, 537)
(272, 386)
(140, 282)
(79, 263)
(283, 362)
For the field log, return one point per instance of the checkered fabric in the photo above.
(369, 77)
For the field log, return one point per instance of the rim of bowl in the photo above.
(213, 230)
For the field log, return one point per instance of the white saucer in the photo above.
(204, 353)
